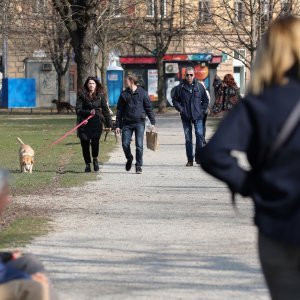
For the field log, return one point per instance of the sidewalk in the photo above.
(169, 233)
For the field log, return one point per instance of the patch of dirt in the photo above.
(16, 211)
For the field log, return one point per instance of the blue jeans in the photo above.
(127, 131)
(188, 133)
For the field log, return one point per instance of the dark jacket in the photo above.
(190, 100)
(8, 273)
(84, 105)
(231, 97)
(133, 107)
(252, 127)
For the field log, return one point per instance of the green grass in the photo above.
(55, 166)
(22, 231)
(58, 166)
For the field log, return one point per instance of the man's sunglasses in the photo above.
(189, 75)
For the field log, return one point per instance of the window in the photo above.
(204, 11)
(266, 14)
(150, 8)
(116, 7)
(72, 82)
(239, 11)
(286, 7)
(265, 7)
(161, 5)
(239, 54)
(38, 6)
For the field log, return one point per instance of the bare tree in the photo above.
(9, 23)
(40, 27)
(163, 21)
(80, 18)
(57, 42)
(232, 25)
(114, 28)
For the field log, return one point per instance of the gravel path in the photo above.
(170, 233)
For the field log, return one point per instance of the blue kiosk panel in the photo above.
(18, 93)
(114, 85)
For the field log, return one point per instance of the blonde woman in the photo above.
(252, 127)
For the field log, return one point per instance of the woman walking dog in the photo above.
(265, 125)
(91, 101)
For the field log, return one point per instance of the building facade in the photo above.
(227, 29)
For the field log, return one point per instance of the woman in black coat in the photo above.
(274, 185)
(91, 101)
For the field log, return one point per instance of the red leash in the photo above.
(72, 130)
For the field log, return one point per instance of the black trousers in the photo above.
(85, 146)
(281, 267)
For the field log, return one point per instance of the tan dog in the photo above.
(26, 155)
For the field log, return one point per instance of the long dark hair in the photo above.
(99, 87)
(229, 81)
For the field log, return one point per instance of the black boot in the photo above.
(128, 164)
(96, 165)
(87, 168)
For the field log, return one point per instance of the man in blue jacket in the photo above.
(191, 100)
(133, 106)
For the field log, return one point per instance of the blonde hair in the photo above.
(278, 52)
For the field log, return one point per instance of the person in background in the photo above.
(190, 99)
(206, 113)
(22, 276)
(91, 101)
(252, 127)
(231, 93)
(133, 106)
(217, 85)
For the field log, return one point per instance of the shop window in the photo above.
(204, 12)
(239, 11)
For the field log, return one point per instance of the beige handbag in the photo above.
(152, 140)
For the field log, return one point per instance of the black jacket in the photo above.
(133, 107)
(190, 100)
(84, 105)
(252, 127)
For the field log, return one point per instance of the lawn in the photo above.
(55, 166)
(58, 166)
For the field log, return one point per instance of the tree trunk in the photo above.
(84, 56)
(162, 101)
(85, 61)
(104, 67)
(61, 87)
